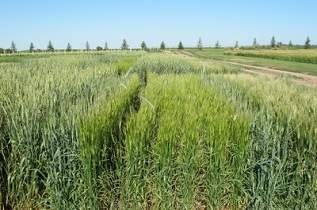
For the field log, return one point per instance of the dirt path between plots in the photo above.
(298, 77)
(258, 70)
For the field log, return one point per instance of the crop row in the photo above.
(178, 148)
(101, 138)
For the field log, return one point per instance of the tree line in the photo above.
(50, 47)
(276, 44)
(143, 46)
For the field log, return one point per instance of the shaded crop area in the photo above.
(134, 130)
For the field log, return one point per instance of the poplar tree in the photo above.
(273, 42)
(255, 43)
(87, 46)
(68, 48)
(143, 45)
(217, 46)
(124, 45)
(236, 45)
(180, 46)
(163, 46)
(200, 44)
(106, 46)
(307, 43)
(13, 47)
(50, 47)
(31, 49)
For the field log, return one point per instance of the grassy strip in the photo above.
(303, 56)
(218, 54)
(100, 140)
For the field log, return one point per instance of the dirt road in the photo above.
(298, 77)
(258, 70)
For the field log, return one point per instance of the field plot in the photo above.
(303, 56)
(232, 56)
(153, 131)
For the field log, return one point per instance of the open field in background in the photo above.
(133, 130)
(280, 64)
(302, 56)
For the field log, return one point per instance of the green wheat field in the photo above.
(140, 130)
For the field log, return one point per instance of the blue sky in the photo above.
(98, 21)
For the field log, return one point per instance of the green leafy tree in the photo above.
(217, 45)
(87, 46)
(13, 47)
(200, 44)
(124, 45)
(50, 47)
(106, 46)
(307, 43)
(180, 46)
(1, 50)
(68, 48)
(31, 49)
(290, 44)
(143, 45)
(273, 42)
(98, 48)
(163, 46)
